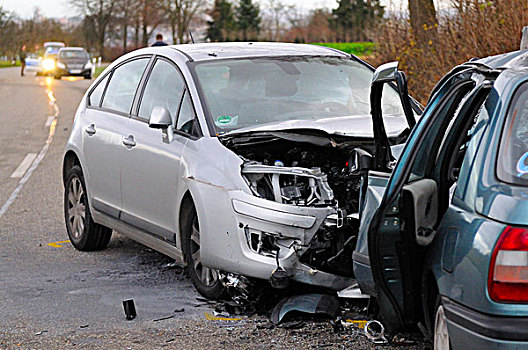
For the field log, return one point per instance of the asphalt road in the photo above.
(52, 296)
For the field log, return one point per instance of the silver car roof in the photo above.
(208, 51)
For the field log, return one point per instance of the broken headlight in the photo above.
(289, 185)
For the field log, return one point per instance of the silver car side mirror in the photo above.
(160, 118)
(385, 73)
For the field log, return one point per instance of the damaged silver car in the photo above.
(236, 159)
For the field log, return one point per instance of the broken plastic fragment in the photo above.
(309, 303)
(352, 292)
(210, 317)
(130, 309)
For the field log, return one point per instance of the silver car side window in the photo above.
(95, 97)
(186, 117)
(164, 88)
(122, 87)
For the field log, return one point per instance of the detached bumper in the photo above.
(472, 329)
(231, 219)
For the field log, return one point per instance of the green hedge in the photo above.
(357, 48)
(4, 64)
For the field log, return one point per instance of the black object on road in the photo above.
(130, 309)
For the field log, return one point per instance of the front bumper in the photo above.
(71, 72)
(229, 218)
(472, 329)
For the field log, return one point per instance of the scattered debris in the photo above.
(337, 325)
(357, 323)
(84, 326)
(352, 292)
(210, 317)
(293, 325)
(41, 332)
(179, 310)
(279, 278)
(374, 330)
(266, 326)
(308, 303)
(397, 340)
(130, 309)
(163, 318)
(238, 287)
(170, 340)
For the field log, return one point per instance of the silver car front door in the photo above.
(150, 175)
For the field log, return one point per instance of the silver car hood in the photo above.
(355, 126)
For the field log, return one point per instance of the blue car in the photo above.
(443, 237)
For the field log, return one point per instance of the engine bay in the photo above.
(306, 174)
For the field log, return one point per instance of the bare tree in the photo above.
(101, 13)
(423, 21)
(151, 15)
(298, 23)
(180, 13)
(276, 13)
(126, 10)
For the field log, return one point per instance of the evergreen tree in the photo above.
(247, 19)
(223, 21)
(352, 18)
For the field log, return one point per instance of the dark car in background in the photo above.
(73, 61)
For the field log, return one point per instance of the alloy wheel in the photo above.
(207, 276)
(76, 208)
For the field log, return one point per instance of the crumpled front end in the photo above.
(252, 236)
(298, 213)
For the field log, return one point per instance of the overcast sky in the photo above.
(61, 8)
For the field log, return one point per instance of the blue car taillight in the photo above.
(508, 273)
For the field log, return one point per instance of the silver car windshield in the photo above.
(249, 92)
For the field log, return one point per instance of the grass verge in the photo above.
(355, 48)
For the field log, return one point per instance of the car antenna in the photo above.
(190, 34)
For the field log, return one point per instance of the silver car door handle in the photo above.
(129, 141)
(90, 129)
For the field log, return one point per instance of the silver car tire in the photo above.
(205, 280)
(84, 233)
(441, 332)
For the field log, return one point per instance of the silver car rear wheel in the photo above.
(83, 232)
(441, 333)
(76, 208)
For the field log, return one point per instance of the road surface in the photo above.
(52, 296)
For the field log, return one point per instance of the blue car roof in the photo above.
(507, 60)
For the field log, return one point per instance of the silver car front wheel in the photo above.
(207, 276)
(205, 279)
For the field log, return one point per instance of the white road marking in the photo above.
(37, 160)
(49, 121)
(23, 167)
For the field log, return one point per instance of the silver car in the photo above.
(235, 159)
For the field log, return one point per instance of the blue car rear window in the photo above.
(512, 164)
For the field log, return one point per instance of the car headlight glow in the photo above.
(61, 65)
(88, 65)
(48, 64)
